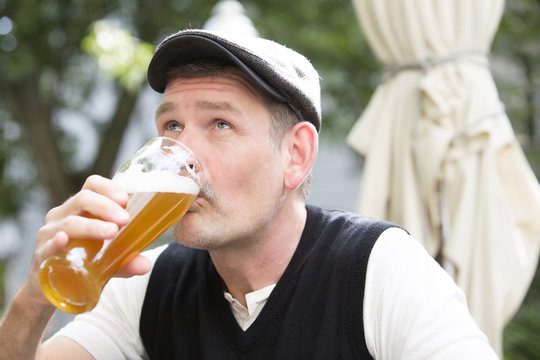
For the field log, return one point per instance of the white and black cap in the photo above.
(280, 72)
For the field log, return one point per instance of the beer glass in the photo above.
(162, 180)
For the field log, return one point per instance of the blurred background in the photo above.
(74, 102)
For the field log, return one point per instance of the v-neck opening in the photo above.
(276, 302)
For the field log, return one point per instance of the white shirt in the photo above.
(408, 298)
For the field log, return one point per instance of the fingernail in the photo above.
(107, 229)
(122, 196)
(121, 215)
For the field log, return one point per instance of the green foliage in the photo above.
(518, 32)
(47, 33)
(8, 188)
(517, 42)
(521, 334)
(119, 54)
(12, 188)
(45, 73)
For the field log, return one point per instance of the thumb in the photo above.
(140, 265)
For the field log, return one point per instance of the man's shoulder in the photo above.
(345, 221)
(341, 234)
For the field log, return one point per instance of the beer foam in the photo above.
(155, 181)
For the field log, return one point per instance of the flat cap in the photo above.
(280, 72)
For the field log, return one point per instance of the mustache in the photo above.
(208, 192)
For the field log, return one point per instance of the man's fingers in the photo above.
(106, 187)
(99, 197)
(79, 227)
(51, 247)
(89, 203)
(140, 265)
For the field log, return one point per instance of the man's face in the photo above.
(224, 121)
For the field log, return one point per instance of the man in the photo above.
(258, 274)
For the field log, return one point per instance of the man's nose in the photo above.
(188, 138)
(194, 165)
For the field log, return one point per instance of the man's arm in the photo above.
(22, 329)
(413, 309)
(25, 320)
(23, 326)
(63, 348)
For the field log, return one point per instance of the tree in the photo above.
(45, 71)
(517, 41)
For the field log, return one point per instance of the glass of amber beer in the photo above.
(162, 179)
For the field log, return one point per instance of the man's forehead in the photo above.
(226, 74)
(171, 105)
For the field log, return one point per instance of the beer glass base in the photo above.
(71, 289)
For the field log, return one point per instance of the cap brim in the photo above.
(186, 48)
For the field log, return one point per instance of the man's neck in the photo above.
(261, 264)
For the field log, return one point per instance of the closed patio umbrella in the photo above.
(441, 158)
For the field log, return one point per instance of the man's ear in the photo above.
(302, 143)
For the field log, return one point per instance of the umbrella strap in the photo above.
(500, 110)
(477, 57)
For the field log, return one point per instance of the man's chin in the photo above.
(187, 227)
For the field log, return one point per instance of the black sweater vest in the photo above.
(314, 312)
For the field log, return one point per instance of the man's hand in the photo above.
(96, 212)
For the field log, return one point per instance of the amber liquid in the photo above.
(73, 279)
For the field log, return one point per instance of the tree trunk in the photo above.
(34, 117)
(112, 137)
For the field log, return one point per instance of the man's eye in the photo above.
(222, 125)
(173, 126)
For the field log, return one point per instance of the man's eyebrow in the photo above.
(163, 108)
(203, 105)
(217, 105)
